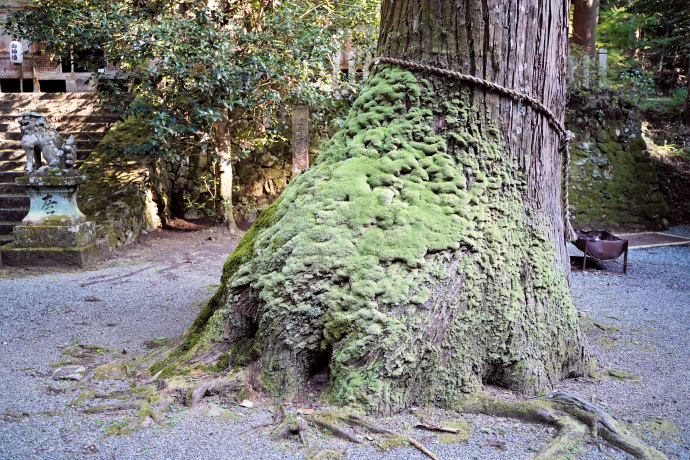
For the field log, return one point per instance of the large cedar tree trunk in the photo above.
(423, 254)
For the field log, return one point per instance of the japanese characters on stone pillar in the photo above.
(351, 66)
(603, 60)
(336, 68)
(300, 139)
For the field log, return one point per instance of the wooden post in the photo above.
(37, 85)
(300, 139)
(625, 259)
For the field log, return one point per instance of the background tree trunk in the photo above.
(686, 111)
(224, 175)
(585, 24)
(423, 254)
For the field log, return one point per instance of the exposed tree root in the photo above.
(552, 409)
(295, 424)
(113, 407)
(336, 430)
(569, 414)
(569, 434)
(214, 387)
(602, 424)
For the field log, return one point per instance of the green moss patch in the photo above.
(465, 427)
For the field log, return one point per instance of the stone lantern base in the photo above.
(54, 233)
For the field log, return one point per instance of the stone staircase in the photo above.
(69, 113)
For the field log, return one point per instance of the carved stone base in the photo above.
(80, 257)
(55, 236)
(54, 233)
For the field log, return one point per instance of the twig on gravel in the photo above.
(419, 446)
(445, 429)
(375, 429)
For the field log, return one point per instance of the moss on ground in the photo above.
(465, 427)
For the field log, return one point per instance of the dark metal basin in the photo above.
(601, 246)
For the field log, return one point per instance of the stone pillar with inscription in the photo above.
(54, 233)
(300, 139)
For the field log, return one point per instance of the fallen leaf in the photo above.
(195, 373)
(307, 411)
(91, 298)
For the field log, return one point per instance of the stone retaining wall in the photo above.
(613, 185)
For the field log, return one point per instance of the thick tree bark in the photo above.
(423, 254)
(585, 24)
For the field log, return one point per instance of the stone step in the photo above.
(10, 176)
(7, 227)
(78, 135)
(52, 115)
(72, 127)
(10, 155)
(83, 154)
(81, 144)
(46, 96)
(13, 215)
(14, 201)
(11, 188)
(41, 103)
(12, 165)
(15, 160)
(6, 239)
(60, 120)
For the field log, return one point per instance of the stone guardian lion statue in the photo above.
(38, 137)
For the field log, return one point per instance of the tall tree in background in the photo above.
(585, 14)
(423, 254)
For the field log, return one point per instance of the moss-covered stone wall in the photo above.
(613, 185)
(259, 179)
(126, 194)
(118, 194)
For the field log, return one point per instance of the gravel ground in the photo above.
(635, 323)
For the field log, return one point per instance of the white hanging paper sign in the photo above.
(16, 52)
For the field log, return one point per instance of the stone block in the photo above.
(80, 257)
(55, 236)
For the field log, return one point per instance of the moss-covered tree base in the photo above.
(406, 265)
